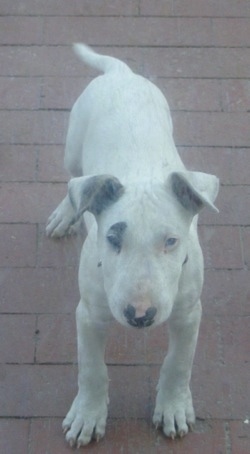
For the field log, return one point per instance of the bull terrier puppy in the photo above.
(141, 262)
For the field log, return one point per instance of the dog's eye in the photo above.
(171, 242)
(115, 235)
(115, 242)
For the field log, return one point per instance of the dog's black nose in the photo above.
(139, 322)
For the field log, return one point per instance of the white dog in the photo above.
(141, 262)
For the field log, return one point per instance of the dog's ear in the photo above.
(94, 193)
(195, 190)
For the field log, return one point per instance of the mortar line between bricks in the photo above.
(178, 145)
(138, 10)
(136, 46)
(36, 336)
(231, 316)
(219, 340)
(228, 442)
(29, 436)
(44, 144)
(113, 418)
(61, 182)
(242, 247)
(214, 268)
(37, 244)
(68, 110)
(126, 46)
(89, 76)
(124, 16)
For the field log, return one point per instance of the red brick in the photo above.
(17, 338)
(18, 162)
(50, 164)
(112, 31)
(208, 349)
(46, 435)
(37, 390)
(61, 92)
(226, 292)
(206, 94)
(229, 164)
(18, 245)
(231, 31)
(246, 245)
(217, 393)
(44, 390)
(129, 392)
(21, 30)
(195, 32)
(129, 436)
(234, 205)
(235, 95)
(39, 290)
(162, 62)
(235, 340)
(129, 346)
(159, 8)
(27, 127)
(33, 60)
(72, 8)
(212, 128)
(40, 60)
(14, 436)
(63, 252)
(134, 31)
(56, 339)
(29, 202)
(19, 92)
(239, 434)
(191, 94)
(221, 246)
(196, 8)
(194, 62)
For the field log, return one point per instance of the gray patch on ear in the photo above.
(185, 195)
(100, 192)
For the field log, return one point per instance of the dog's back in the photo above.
(122, 123)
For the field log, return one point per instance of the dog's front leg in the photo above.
(87, 416)
(174, 407)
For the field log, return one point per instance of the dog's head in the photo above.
(144, 238)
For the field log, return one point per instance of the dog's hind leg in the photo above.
(62, 220)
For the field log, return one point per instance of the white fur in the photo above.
(121, 126)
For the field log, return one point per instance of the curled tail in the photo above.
(103, 63)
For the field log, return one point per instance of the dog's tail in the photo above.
(103, 63)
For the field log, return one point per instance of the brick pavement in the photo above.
(198, 52)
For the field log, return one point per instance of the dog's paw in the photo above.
(60, 222)
(84, 422)
(175, 414)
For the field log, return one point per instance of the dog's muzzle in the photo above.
(139, 322)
